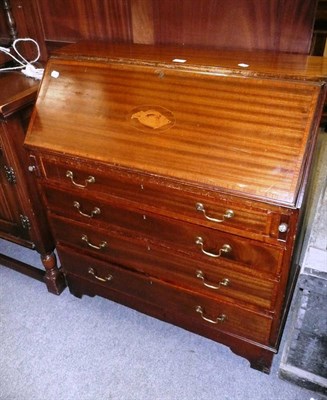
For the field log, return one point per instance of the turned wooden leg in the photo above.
(54, 278)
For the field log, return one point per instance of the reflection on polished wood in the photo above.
(263, 123)
(282, 26)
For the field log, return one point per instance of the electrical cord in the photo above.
(26, 67)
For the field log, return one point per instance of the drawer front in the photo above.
(95, 212)
(205, 207)
(210, 245)
(219, 315)
(102, 272)
(217, 282)
(210, 280)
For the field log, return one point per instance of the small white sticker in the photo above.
(55, 74)
(179, 60)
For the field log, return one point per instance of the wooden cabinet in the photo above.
(175, 181)
(22, 217)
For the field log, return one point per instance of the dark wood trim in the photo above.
(22, 267)
(11, 22)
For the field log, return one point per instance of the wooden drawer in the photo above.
(94, 211)
(247, 289)
(210, 280)
(243, 285)
(202, 310)
(207, 245)
(167, 197)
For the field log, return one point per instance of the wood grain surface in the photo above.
(243, 135)
(16, 90)
(238, 24)
(247, 24)
(93, 19)
(278, 25)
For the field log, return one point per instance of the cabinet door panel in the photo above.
(10, 210)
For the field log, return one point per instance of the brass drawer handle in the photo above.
(225, 249)
(223, 282)
(95, 211)
(228, 213)
(105, 279)
(102, 245)
(90, 179)
(220, 318)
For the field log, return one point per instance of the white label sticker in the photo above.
(55, 74)
(179, 60)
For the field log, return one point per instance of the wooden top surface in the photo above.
(295, 66)
(16, 90)
(245, 135)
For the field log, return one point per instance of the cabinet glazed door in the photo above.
(11, 215)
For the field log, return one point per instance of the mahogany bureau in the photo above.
(175, 181)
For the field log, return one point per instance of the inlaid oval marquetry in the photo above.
(151, 118)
